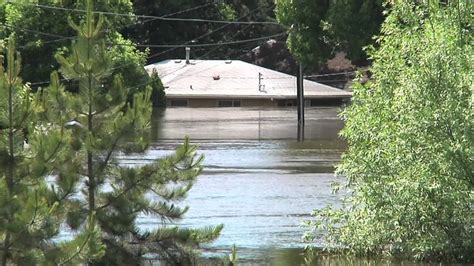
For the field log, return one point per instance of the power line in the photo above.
(59, 37)
(208, 44)
(212, 50)
(199, 37)
(246, 27)
(242, 49)
(209, 33)
(45, 42)
(168, 15)
(172, 48)
(333, 81)
(164, 18)
(38, 32)
(186, 10)
(160, 45)
(216, 48)
(62, 38)
(331, 74)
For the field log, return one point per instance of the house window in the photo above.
(228, 103)
(179, 103)
(283, 103)
(326, 102)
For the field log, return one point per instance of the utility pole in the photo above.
(300, 102)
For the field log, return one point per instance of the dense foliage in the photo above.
(410, 162)
(319, 28)
(42, 32)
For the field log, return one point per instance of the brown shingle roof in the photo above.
(233, 79)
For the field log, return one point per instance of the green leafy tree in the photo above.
(40, 30)
(43, 31)
(410, 162)
(353, 23)
(110, 196)
(319, 28)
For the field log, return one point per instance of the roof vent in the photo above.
(177, 61)
(188, 52)
(228, 61)
(216, 77)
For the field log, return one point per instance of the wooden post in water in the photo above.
(300, 102)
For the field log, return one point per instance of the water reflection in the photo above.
(243, 124)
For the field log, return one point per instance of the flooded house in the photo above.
(234, 83)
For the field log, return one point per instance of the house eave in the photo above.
(269, 97)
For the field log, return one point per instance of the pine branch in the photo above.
(78, 252)
(109, 154)
(123, 192)
(165, 211)
(33, 218)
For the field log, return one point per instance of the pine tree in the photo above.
(110, 196)
(29, 213)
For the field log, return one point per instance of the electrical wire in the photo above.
(172, 48)
(168, 15)
(330, 74)
(239, 50)
(216, 48)
(333, 81)
(246, 27)
(207, 34)
(174, 45)
(154, 17)
(62, 38)
(185, 10)
(207, 44)
(37, 32)
(199, 37)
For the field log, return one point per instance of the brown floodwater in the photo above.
(258, 180)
